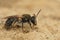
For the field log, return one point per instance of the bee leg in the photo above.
(30, 24)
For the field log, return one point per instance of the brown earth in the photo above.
(48, 25)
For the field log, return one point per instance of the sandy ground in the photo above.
(48, 21)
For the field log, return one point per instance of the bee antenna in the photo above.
(38, 12)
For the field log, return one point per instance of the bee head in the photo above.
(33, 19)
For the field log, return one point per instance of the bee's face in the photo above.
(33, 20)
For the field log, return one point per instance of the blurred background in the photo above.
(48, 21)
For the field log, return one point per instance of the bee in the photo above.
(25, 18)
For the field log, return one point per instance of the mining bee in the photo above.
(25, 18)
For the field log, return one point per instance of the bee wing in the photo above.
(11, 16)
